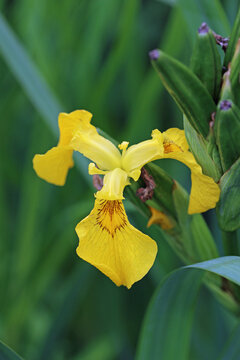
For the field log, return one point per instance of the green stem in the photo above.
(230, 242)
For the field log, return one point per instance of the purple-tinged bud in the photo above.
(225, 105)
(203, 28)
(154, 54)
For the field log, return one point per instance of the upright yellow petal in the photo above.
(204, 192)
(114, 183)
(95, 147)
(175, 137)
(109, 242)
(136, 156)
(69, 123)
(53, 166)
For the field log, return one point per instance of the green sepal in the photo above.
(187, 90)
(204, 152)
(227, 132)
(206, 61)
(228, 207)
(235, 35)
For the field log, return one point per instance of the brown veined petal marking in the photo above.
(109, 242)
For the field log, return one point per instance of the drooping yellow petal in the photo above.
(114, 183)
(109, 242)
(204, 191)
(95, 147)
(53, 166)
(158, 217)
(136, 156)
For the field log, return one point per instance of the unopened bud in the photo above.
(154, 54)
(203, 28)
(225, 105)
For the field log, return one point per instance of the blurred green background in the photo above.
(93, 55)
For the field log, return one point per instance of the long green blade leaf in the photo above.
(226, 266)
(8, 354)
(169, 316)
(232, 349)
(28, 76)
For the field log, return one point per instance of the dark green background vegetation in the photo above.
(93, 54)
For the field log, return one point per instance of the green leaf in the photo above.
(167, 324)
(227, 132)
(186, 89)
(196, 237)
(235, 73)
(78, 285)
(8, 354)
(235, 35)
(168, 319)
(226, 266)
(228, 207)
(206, 61)
(29, 77)
(199, 148)
(232, 349)
(164, 187)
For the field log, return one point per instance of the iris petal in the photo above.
(109, 242)
(136, 156)
(53, 166)
(95, 147)
(114, 183)
(204, 191)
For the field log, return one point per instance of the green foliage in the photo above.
(200, 149)
(227, 132)
(181, 83)
(232, 348)
(234, 37)
(166, 331)
(206, 50)
(228, 207)
(7, 354)
(169, 317)
(93, 55)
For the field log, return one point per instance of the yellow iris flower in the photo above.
(107, 239)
